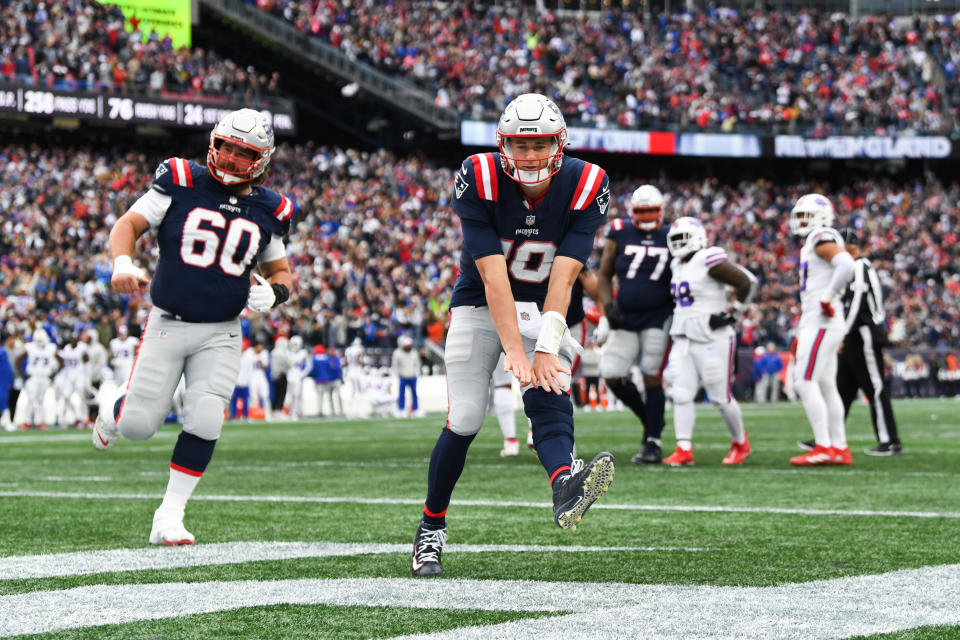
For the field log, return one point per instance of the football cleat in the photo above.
(806, 445)
(842, 456)
(427, 547)
(820, 456)
(650, 453)
(574, 493)
(680, 458)
(511, 448)
(104, 435)
(885, 449)
(168, 528)
(738, 452)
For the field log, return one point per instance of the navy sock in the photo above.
(656, 401)
(446, 465)
(629, 395)
(192, 452)
(116, 407)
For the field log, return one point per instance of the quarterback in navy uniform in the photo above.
(525, 240)
(213, 225)
(637, 322)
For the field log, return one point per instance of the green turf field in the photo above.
(304, 531)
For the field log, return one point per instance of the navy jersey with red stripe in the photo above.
(643, 274)
(496, 218)
(209, 241)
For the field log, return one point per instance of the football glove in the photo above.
(613, 315)
(265, 296)
(603, 330)
(826, 306)
(722, 319)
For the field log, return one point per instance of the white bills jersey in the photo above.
(122, 352)
(354, 356)
(41, 360)
(72, 356)
(815, 275)
(697, 295)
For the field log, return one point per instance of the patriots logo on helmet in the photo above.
(603, 201)
(460, 185)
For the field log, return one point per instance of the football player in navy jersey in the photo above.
(637, 321)
(528, 217)
(213, 224)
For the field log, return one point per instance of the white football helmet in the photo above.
(685, 236)
(531, 115)
(812, 211)
(296, 343)
(248, 129)
(41, 337)
(646, 207)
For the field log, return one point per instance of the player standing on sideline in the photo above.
(525, 240)
(704, 340)
(122, 351)
(96, 363)
(70, 383)
(299, 364)
(214, 223)
(825, 269)
(637, 323)
(41, 363)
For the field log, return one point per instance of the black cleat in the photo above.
(427, 547)
(649, 454)
(885, 449)
(807, 445)
(574, 493)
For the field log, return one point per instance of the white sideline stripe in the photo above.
(152, 558)
(490, 503)
(861, 605)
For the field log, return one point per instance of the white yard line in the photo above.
(826, 609)
(490, 503)
(115, 560)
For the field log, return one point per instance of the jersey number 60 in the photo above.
(199, 247)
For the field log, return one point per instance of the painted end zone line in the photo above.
(491, 503)
(826, 609)
(153, 558)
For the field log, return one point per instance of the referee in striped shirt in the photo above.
(860, 363)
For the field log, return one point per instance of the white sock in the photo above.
(684, 417)
(816, 408)
(179, 489)
(733, 418)
(835, 422)
(506, 413)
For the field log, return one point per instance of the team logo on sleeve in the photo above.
(162, 169)
(603, 201)
(460, 185)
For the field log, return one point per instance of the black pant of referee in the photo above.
(860, 367)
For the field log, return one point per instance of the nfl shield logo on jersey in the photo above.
(524, 316)
(531, 219)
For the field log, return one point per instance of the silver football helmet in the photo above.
(531, 115)
(685, 236)
(252, 132)
(811, 211)
(646, 208)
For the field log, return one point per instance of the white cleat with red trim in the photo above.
(168, 528)
(104, 435)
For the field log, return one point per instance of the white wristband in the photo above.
(123, 264)
(828, 297)
(552, 327)
(738, 306)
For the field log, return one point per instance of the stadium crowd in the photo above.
(717, 70)
(375, 250)
(82, 45)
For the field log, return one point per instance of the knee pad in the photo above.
(682, 395)
(135, 424)
(805, 388)
(465, 417)
(203, 414)
(550, 415)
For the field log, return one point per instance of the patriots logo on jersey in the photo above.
(460, 185)
(162, 169)
(603, 201)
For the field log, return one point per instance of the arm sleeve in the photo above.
(152, 206)
(843, 267)
(274, 250)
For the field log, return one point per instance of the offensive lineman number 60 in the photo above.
(199, 247)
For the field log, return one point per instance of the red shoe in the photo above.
(738, 453)
(680, 458)
(842, 456)
(820, 456)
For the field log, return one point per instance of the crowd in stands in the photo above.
(718, 70)
(82, 45)
(375, 249)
